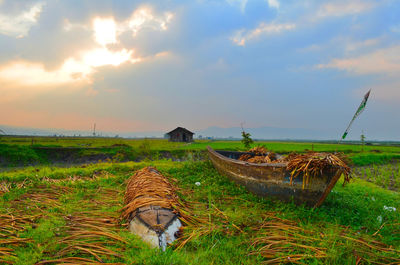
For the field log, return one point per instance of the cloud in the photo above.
(108, 29)
(240, 3)
(273, 3)
(344, 8)
(80, 67)
(72, 70)
(383, 61)
(143, 18)
(356, 46)
(395, 28)
(19, 25)
(242, 36)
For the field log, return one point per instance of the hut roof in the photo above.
(180, 129)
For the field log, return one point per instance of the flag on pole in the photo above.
(358, 112)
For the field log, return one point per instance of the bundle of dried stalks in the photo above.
(245, 157)
(258, 150)
(270, 158)
(283, 241)
(148, 187)
(313, 164)
(261, 155)
(258, 159)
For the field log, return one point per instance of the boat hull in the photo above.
(273, 180)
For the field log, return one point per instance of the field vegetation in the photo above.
(52, 214)
(22, 151)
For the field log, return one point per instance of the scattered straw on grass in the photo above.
(284, 241)
(91, 237)
(11, 225)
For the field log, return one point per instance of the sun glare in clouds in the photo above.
(78, 68)
(101, 57)
(105, 31)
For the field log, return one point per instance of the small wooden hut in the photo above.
(180, 135)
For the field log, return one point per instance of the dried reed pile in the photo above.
(283, 241)
(258, 150)
(259, 155)
(270, 158)
(149, 187)
(313, 164)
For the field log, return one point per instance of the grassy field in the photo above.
(59, 213)
(162, 144)
(20, 151)
(47, 214)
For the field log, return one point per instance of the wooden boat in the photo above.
(273, 180)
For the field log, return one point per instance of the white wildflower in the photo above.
(373, 198)
(197, 183)
(389, 208)
(379, 219)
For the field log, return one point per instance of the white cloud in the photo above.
(395, 28)
(239, 3)
(143, 18)
(356, 46)
(68, 26)
(242, 36)
(273, 3)
(344, 8)
(107, 30)
(20, 24)
(383, 61)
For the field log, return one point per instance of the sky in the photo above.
(132, 66)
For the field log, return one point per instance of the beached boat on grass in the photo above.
(273, 179)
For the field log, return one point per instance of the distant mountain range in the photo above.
(271, 133)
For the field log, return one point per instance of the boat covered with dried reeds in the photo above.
(302, 178)
(152, 207)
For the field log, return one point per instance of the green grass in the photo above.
(162, 144)
(22, 151)
(386, 176)
(356, 208)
